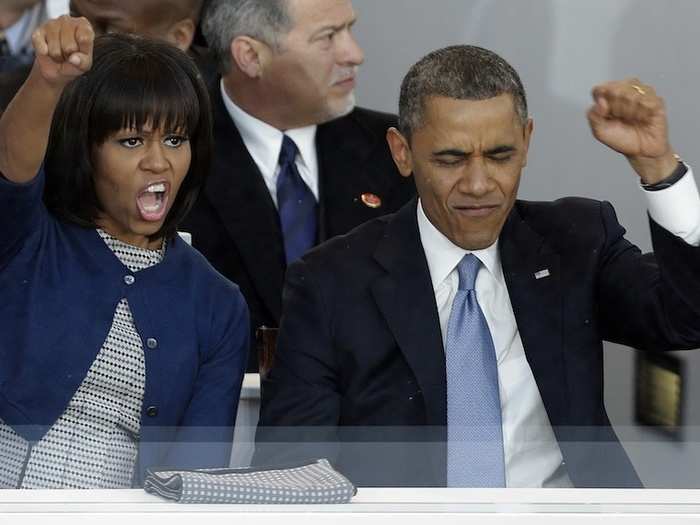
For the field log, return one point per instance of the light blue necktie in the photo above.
(474, 433)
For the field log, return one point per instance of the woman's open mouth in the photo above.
(152, 201)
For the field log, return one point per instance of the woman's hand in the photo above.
(63, 49)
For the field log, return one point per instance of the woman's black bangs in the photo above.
(140, 91)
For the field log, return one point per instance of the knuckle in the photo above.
(651, 103)
(86, 35)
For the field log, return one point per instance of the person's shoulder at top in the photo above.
(206, 64)
(375, 118)
(548, 218)
(354, 248)
(373, 122)
(198, 269)
(566, 219)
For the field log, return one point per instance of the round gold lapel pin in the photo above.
(371, 200)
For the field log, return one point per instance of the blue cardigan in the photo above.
(59, 288)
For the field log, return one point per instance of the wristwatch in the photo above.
(681, 169)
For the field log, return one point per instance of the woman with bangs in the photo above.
(120, 347)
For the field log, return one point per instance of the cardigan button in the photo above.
(152, 343)
(129, 279)
(152, 411)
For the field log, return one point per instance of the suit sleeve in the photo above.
(649, 301)
(300, 408)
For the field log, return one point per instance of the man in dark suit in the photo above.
(459, 341)
(288, 74)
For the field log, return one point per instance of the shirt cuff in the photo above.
(677, 208)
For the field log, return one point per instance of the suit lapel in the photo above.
(533, 276)
(344, 147)
(237, 191)
(406, 299)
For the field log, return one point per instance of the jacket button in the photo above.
(415, 396)
(129, 279)
(152, 411)
(151, 343)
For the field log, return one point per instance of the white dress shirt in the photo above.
(677, 208)
(531, 452)
(264, 143)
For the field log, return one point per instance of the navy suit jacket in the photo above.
(235, 223)
(359, 374)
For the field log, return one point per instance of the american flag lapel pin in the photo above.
(542, 274)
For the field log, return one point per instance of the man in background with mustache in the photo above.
(295, 162)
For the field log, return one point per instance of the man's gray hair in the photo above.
(225, 20)
(458, 72)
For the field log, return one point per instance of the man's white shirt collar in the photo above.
(264, 142)
(56, 8)
(443, 255)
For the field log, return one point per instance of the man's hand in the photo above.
(630, 118)
(63, 49)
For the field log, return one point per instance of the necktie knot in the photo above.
(467, 269)
(288, 153)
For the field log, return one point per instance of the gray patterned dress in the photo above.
(95, 442)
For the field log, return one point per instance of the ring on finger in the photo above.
(639, 89)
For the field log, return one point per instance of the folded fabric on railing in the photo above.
(312, 482)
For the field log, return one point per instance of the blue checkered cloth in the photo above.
(311, 483)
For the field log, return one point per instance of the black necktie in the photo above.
(4, 46)
(296, 204)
